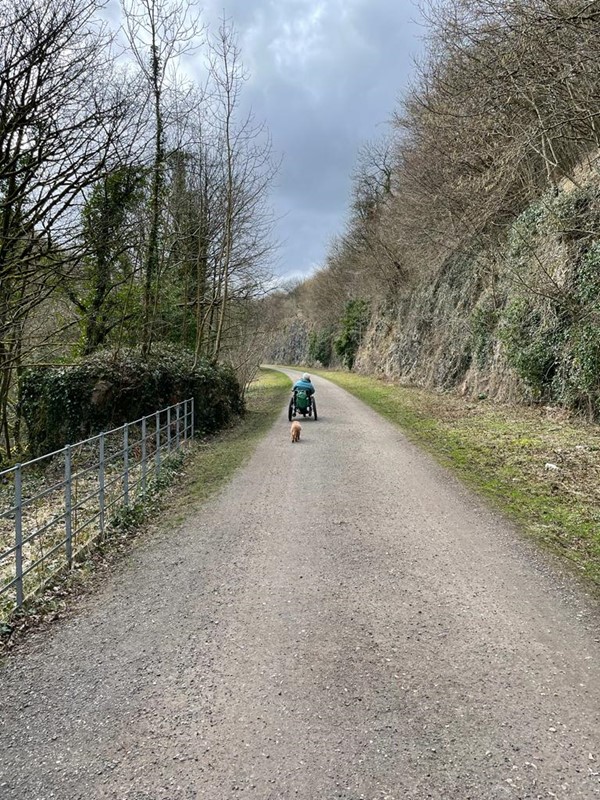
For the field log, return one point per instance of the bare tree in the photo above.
(159, 33)
(247, 171)
(64, 117)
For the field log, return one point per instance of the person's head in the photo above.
(306, 377)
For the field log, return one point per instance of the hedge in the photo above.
(66, 404)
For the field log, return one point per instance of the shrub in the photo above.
(580, 384)
(320, 347)
(354, 324)
(104, 390)
(532, 338)
(483, 322)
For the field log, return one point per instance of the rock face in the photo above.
(289, 345)
(515, 318)
(429, 338)
(519, 321)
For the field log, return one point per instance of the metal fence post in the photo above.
(157, 455)
(185, 420)
(177, 426)
(68, 506)
(143, 454)
(169, 429)
(101, 481)
(18, 536)
(193, 404)
(126, 464)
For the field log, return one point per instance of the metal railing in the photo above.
(54, 507)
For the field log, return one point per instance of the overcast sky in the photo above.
(325, 76)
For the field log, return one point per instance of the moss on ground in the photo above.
(536, 464)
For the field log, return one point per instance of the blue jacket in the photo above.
(305, 385)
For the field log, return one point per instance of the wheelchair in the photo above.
(302, 403)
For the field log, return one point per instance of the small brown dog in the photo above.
(295, 431)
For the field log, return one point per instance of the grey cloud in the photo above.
(325, 76)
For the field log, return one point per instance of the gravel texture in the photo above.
(343, 621)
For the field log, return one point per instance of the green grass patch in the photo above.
(216, 459)
(502, 452)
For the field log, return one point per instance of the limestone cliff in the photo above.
(518, 321)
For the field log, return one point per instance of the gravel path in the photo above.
(343, 621)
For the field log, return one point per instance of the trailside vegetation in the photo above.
(66, 404)
(133, 198)
(353, 326)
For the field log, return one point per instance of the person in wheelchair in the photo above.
(302, 400)
(305, 384)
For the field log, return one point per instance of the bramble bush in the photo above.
(106, 389)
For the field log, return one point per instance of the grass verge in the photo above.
(536, 464)
(217, 458)
(186, 483)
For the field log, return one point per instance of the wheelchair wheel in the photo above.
(314, 408)
(291, 409)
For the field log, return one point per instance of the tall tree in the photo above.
(247, 170)
(108, 238)
(159, 32)
(63, 117)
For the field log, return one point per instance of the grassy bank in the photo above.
(217, 458)
(537, 465)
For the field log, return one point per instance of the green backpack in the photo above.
(301, 400)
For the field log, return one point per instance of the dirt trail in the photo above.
(343, 621)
